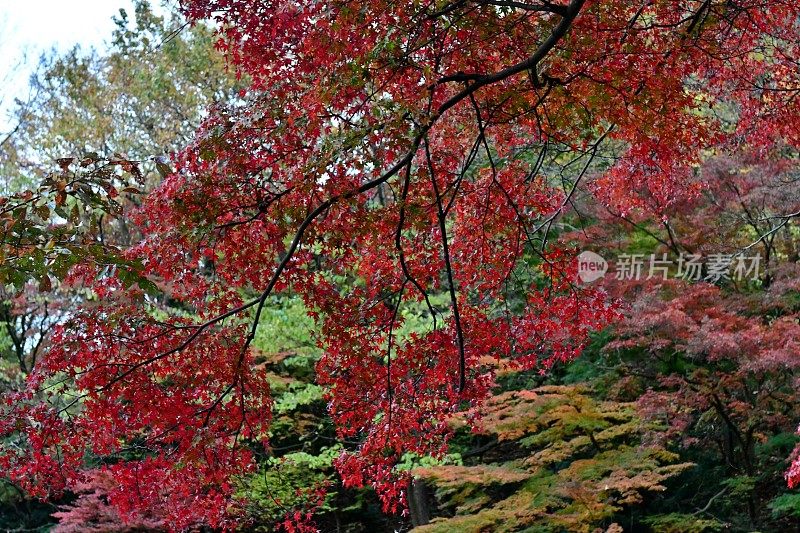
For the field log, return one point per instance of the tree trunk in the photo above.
(418, 506)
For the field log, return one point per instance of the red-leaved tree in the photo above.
(387, 151)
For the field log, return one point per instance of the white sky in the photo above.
(29, 28)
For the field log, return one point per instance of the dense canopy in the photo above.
(404, 168)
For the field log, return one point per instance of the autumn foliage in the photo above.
(397, 155)
(536, 431)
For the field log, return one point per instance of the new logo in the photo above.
(591, 267)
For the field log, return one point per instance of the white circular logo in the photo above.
(591, 267)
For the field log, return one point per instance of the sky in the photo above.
(29, 28)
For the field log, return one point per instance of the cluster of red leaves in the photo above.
(705, 324)
(382, 155)
(302, 520)
(92, 511)
(121, 384)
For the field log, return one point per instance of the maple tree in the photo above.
(721, 381)
(92, 511)
(385, 153)
(714, 358)
(567, 462)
